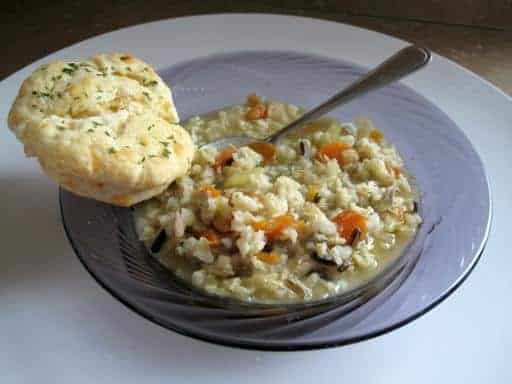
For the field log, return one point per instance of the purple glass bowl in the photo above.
(455, 206)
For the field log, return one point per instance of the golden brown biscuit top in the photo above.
(107, 122)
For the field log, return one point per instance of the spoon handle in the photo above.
(401, 64)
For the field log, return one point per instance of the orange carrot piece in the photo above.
(269, 257)
(348, 222)
(256, 112)
(260, 225)
(267, 150)
(332, 150)
(275, 226)
(224, 157)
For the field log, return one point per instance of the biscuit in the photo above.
(104, 128)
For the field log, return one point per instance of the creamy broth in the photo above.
(309, 218)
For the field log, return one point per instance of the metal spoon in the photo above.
(401, 64)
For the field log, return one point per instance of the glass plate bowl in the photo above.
(455, 206)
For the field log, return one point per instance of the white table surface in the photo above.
(58, 326)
